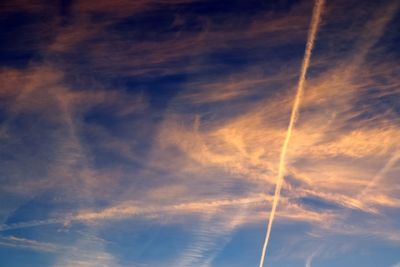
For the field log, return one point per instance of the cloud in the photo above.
(310, 259)
(88, 251)
(23, 243)
(91, 129)
(23, 5)
(228, 210)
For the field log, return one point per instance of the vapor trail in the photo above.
(378, 177)
(318, 6)
(312, 256)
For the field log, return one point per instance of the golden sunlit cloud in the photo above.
(156, 133)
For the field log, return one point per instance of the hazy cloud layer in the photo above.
(148, 133)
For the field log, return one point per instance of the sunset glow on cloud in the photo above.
(152, 133)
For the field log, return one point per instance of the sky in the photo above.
(149, 133)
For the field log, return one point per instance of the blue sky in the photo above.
(148, 133)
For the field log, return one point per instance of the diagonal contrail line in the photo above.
(318, 6)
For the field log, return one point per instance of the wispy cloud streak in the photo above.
(311, 257)
(130, 209)
(379, 176)
(293, 117)
(23, 243)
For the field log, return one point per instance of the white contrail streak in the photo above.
(311, 257)
(318, 6)
(378, 177)
(128, 210)
(309, 260)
